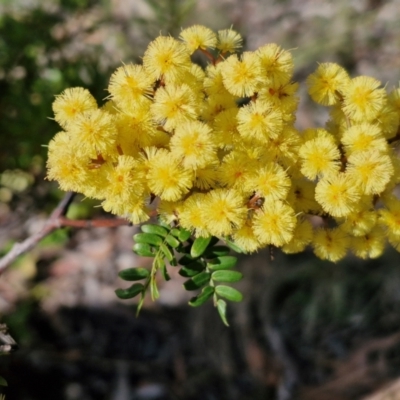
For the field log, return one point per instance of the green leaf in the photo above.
(187, 273)
(192, 269)
(134, 274)
(184, 235)
(148, 238)
(164, 224)
(143, 250)
(186, 259)
(199, 246)
(216, 251)
(228, 293)
(154, 229)
(233, 246)
(224, 262)
(140, 304)
(168, 253)
(154, 289)
(161, 265)
(200, 299)
(221, 306)
(197, 281)
(172, 241)
(131, 292)
(3, 382)
(213, 242)
(173, 262)
(226, 276)
(175, 232)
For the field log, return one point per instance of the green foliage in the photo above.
(28, 85)
(203, 261)
(3, 382)
(17, 322)
(57, 237)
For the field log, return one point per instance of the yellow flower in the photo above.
(359, 223)
(282, 95)
(285, 147)
(270, 182)
(72, 172)
(166, 57)
(370, 170)
(136, 129)
(394, 240)
(330, 244)
(390, 217)
(193, 77)
(190, 77)
(198, 37)
(174, 105)
(388, 121)
(138, 212)
(259, 120)
(302, 237)
(320, 157)
(167, 178)
(275, 223)
(111, 107)
(192, 143)
(229, 41)
(326, 84)
(129, 84)
(223, 211)
(302, 196)
(241, 76)
(337, 195)
(135, 210)
(96, 133)
(198, 73)
(225, 129)
(216, 151)
(246, 239)
(125, 190)
(206, 178)
(369, 246)
(276, 63)
(168, 211)
(235, 169)
(191, 216)
(125, 180)
(71, 103)
(216, 104)
(364, 137)
(362, 99)
(314, 133)
(213, 81)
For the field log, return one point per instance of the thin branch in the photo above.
(94, 223)
(56, 220)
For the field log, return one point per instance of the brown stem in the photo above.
(208, 55)
(94, 223)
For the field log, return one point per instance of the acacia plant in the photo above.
(214, 153)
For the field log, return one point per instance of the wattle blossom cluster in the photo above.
(215, 150)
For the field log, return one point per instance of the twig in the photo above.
(56, 220)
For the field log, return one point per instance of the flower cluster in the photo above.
(215, 150)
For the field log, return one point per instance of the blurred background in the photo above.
(307, 329)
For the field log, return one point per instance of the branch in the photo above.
(56, 221)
